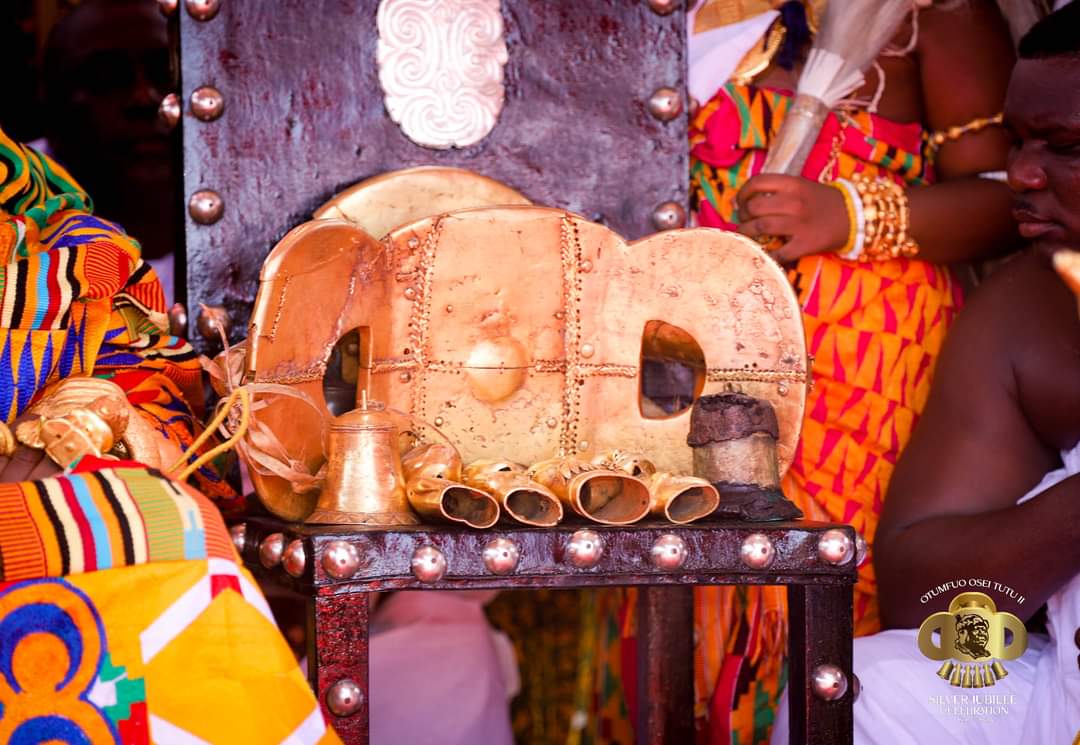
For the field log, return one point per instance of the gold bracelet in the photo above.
(951, 134)
(853, 221)
(7, 440)
(887, 219)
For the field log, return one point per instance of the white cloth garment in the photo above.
(900, 699)
(715, 54)
(439, 674)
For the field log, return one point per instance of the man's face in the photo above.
(114, 72)
(1042, 110)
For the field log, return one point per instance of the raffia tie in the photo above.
(257, 444)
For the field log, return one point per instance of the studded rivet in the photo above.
(212, 318)
(501, 556)
(669, 216)
(428, 564)
(168, 7)
(669, 552)
(169, 110)
(829, 682)
(202, 10)
(586, 266)
(862, 548)
(344, 698)
(585, 549)
(583, 445)
(439, 421)
(666, 104)
(587, 350)
(757, 551)
(270, 550)
(341, 559)
(206, 206)
(238, 533)
(835, 547)
(413, 242)
(552, 422)
(405, 377)
(207, 103)
(294, 558)
(410, 293)
(664, 7)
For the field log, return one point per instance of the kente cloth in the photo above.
(76, 300)
(126, 618)
(903, 702)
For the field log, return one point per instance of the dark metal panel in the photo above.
(304, 118)
(713, 556)
(665, 682)
(337, 649)
(820, 629)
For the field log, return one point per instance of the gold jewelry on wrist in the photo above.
(7, 440)
(89, 430)
(77, 417)
(853, 247)
(887, 219)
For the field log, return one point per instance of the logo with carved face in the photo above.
(972, 637)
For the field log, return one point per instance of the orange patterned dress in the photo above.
(874, 331)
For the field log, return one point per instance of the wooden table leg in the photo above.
(665, 678)
(337, 643)
(819, 633)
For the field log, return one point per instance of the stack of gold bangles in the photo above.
(879, 219)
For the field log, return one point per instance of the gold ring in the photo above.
(7, 440)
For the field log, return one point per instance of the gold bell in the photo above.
(597, 494)
(522, 499)
(434, 488)
(364, 481)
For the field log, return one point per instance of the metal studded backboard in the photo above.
(577, 105)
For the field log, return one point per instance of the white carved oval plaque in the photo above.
(441, 68)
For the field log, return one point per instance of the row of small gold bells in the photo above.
(972, 676)
(605, 490)
(368, 483)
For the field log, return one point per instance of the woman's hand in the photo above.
(812, 216)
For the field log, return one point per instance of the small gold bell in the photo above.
(364, 483)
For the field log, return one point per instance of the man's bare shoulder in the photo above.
(1003, 404)
(1025, 317)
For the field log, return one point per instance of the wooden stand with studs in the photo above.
(337, 567)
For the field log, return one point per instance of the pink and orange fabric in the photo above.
(874, 331)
